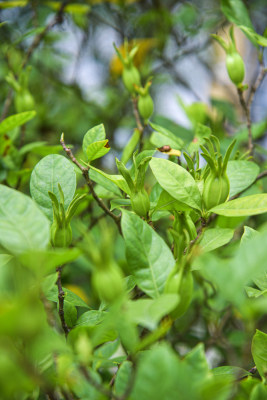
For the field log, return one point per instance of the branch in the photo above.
(85, 172)
(57, 19)
(61, 296)
(256, 84)
(246, 110)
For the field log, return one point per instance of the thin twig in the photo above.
(85, 172)
(246, 110)
(257, 84)
(57, 19)
(61, 296)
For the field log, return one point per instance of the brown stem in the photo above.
(246, 110)
(57, 19)
(257, 84)
(85, 172)
(61, 296)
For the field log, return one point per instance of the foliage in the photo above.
(133, 261)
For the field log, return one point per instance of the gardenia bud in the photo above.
(235, 67)
(145, 106)
(140, 203)
(24, 101)
(108, 283)
(216, 190)
(130, 77)
(60, 236)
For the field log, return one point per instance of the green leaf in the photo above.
(130, 146)
(69, 297)
(259, 392)
(213, 238)
(241, 174)
(104, 182)
(236, 12)
(149, 312)
(243, 206)
(22, 225)
(95, 134)
(70, 314)
(117, 179)
(167, 202)
(232, 275)
(48, 260)
(118, 203)
(13, 3)
(259, 353)
(150, 259)
(4, 259)
(253, 36)
(122, 379)
(97, 150)
(235, 372)
(91, 318)
(248, 234)
(31, 146)
(197, 360)
(46, 176)
(16, 120)
(163, 137)
(176, 181)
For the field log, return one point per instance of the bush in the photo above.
(140, 274)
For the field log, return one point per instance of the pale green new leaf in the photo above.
(259, 352)
(253, 36)
(97, 149)
(150, 259)
(95, 134)
(117, 179)
(46, 175)
(16, 120)
(23, 226)
(214, 238)
(241, 174)
(162, 136)
(167, 202)
(177, 182)
(149, 312)
(243, 206)
(236, 12)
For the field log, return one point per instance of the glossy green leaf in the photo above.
(150, 259)
(248, 234)
(16, 120)
(46, 176)
(176, 181)
(91, 318)
(241, 174)
(163, 137)
(97, 149)
(123, 378)
(103, 181)
(232, 275)
(70, 297)
(149, 312)
(45, 261)
(130, 146)
(236, 12)
(259, 352)
(253, 36)
(196, 358)
(214, 238)
(259, 392)
(243, 206)
(95, 134)
(22, 225)
(235, 372)
(167, 202)
(118, 180)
